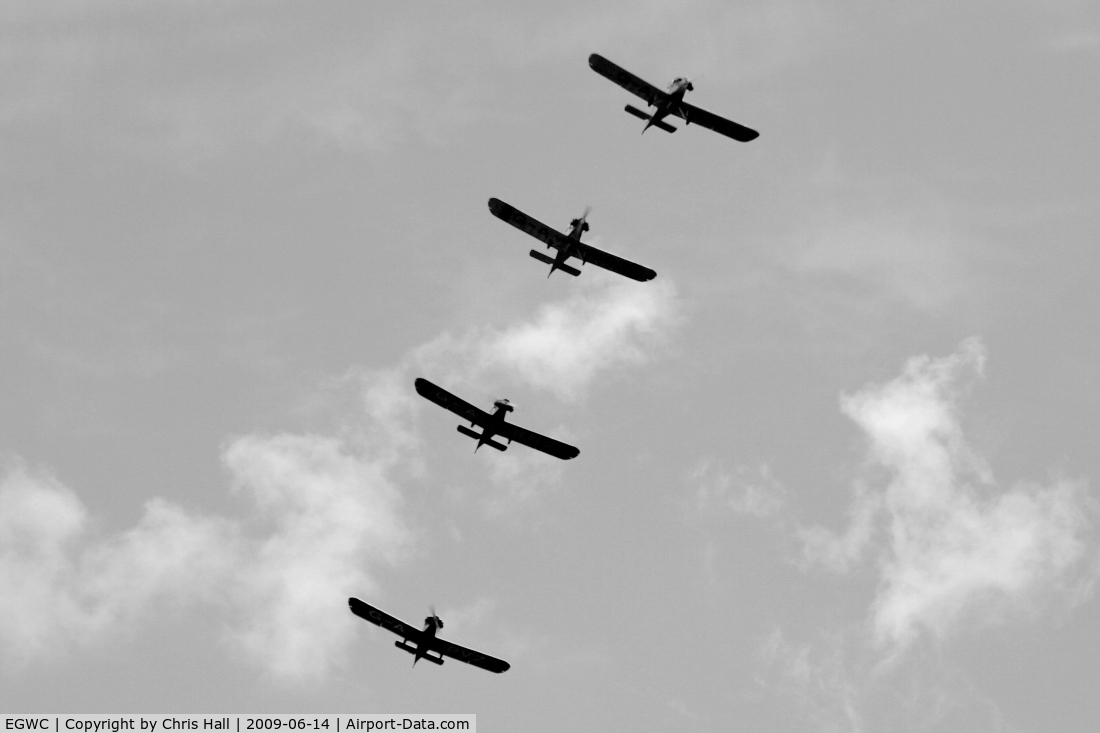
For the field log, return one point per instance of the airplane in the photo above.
(425, 641)
(568, 245)
(493, 424)
(668, 103)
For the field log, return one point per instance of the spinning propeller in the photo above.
(581, 221)
(434, 619)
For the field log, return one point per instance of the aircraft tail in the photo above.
(477, 436)
(412, 650)
(563, 267)
(642, 115)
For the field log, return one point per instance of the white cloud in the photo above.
(326, 516)
(320, 511)
(566, 344)
(948, 543)
(320, 516)
(62, 587)
(38, 519)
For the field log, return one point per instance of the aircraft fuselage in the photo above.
(577, 227)
(672, 101)
(495, 420)
(422, 648)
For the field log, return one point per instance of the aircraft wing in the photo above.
(521, 221)
(608, 261)
(386, 621)
(448, 401)
(695, 116)
(531, 439)
(469, 656)
(626, 80)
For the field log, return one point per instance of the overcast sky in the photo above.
(839, 461)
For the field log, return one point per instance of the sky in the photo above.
(838, 466)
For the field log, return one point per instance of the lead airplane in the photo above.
(568, 245)
(493, 424)
(668, 103)
(425, 641)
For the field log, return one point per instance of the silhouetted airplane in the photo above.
(425, 641)
(668, 103)
(493, 424)
(568, 245)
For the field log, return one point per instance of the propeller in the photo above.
(438, 621)
(581, 221)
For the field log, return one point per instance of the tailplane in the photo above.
(642, 115)
(553, 266)
(477, 436)
(412, 650)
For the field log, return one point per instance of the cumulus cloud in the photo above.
(950, 544)
(321, 511)
(563, 348)
(63, 587)
(320, 517)
(566, 344)
(327, 514)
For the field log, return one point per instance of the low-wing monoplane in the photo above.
(568, 245)
(493, 424)
(426, 641)
(668, 103)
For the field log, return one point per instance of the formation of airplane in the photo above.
(425, 641)
(493, 424)
(668, 103)
(422, 642)
(568, 245)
